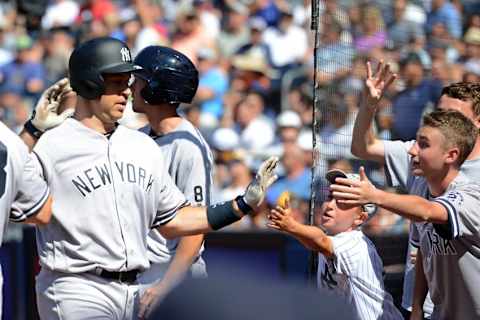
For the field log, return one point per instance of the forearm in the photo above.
(185, 255)
(198, 220)
(313, 238)
(421, 288)
(412, 207)
(365, 145)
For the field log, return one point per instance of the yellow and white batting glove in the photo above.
(45, 115)
(264, 178)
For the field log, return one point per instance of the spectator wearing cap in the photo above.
(266, 10)
(25, 75)
(288, 129)
(420, 94)
(349, 265)
(213, 83)
(445, 12)
(255, 45)
(472, 56)
(288, 42)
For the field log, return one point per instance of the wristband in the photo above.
(32, 130)
(221, 215)
(243, 206)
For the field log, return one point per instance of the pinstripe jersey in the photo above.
(22, 190)
(190, 164)
(355, 272)
(451, 252)
(108, 191)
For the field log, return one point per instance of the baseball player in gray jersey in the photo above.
(463, 97)
(111, 186)
(24, 195)
(348, 263)
(447, 225)
(168, 78)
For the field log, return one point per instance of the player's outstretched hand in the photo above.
(255, 192)
(45, 115)
(376, 84)
(355, 192)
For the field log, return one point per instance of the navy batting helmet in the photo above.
(96, 57)
(171, 77)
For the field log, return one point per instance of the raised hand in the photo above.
(265, 177)
(45, 116)
(376, 84)
(355, 192)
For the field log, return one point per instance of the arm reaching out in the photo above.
(311, 237)
(364, 143)
(361, 192)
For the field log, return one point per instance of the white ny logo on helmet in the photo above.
(125, 54)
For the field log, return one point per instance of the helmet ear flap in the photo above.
(148, 92)
(90, 85)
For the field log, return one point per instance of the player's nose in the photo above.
(413, 151)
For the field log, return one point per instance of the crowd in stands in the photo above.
(256, 62)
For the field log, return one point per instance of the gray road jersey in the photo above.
(397, 172)
(451, 252)
(108, 193)
(22, 189)
(190, 164)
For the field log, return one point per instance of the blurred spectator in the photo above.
(336, 134)
(402, 30)
(255, 45)
(385, 222)
(256, 130)
(152, 31)
(472, 56)
(445, 13)
(288, 128)
(373, 33)
(25, 75)
(287, 42)
(190, 36)
(266, 10)
(58, 47)
(96, 10)
(296, 179)
(212, 85)
(60, 13)
(236, 32)
(420, 95)
(334, 56)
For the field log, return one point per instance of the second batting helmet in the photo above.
(96, 57)
(171, 77)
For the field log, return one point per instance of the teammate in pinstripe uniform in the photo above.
(447, 223)
(111, 186)
(348, 261)
(463, 97)
(184, 149)
(24, 195)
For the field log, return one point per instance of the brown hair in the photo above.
(465, 91)
(458, 130)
